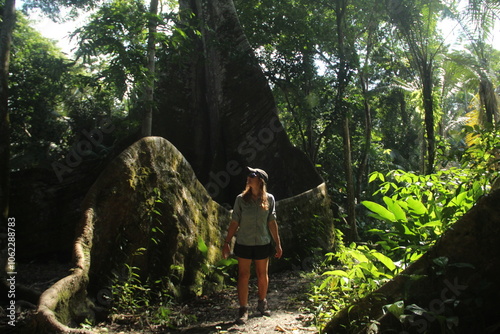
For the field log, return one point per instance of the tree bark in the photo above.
(363, 166)
(351, 198)
(8, 21)
(426, 74)
(151, 73)
(489, 101)
(341, 109)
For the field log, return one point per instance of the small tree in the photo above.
(416, 23)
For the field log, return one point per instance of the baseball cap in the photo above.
(262, 174)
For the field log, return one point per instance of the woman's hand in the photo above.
(279, 251)
(226, 250)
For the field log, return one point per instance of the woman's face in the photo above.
(253, 180)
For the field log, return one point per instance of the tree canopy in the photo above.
(375, 88)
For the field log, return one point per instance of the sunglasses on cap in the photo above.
(253, 174)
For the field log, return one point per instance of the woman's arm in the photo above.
(231, 231)
(273, 228)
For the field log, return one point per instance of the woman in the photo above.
(254, 220)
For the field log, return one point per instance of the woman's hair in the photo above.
(247, 194)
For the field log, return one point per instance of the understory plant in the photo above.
(350, 273)
(135, 301)
(409, 212)
(414, 210)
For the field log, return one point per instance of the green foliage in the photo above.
(419, 208)
(219, 272)
(53, 7)
(482, 153)
(136, 301)
(412, 314)
(141, 302)
(409, 212)
(117, 32)
(38, 77)
(130, 295)
(155, 215)
(351, 272)
(52, 100)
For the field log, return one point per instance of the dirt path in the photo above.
(287, 300)
(216, 314)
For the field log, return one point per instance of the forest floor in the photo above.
(291, 311)
(214, 314)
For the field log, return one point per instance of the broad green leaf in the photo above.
(416, 206)
(379, 210)
(331, 282)
(359, 256)
(408, 231)
(403, 229)
(415, 256)
(459, 199)
(433, 223)
(394, 207)
(376, 175)
(386, 261)
(415, 309)
(441, 261)
(226, 262)
(340, 273)
(375, 231)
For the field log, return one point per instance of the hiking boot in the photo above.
(242, 315)
(263, 308)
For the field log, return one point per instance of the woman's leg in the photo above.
(261, 270)
(243, 278)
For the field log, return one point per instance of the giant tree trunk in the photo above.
(453, 285)
(214, 104)
(218, 88)
(147, 210)
(216, 107)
